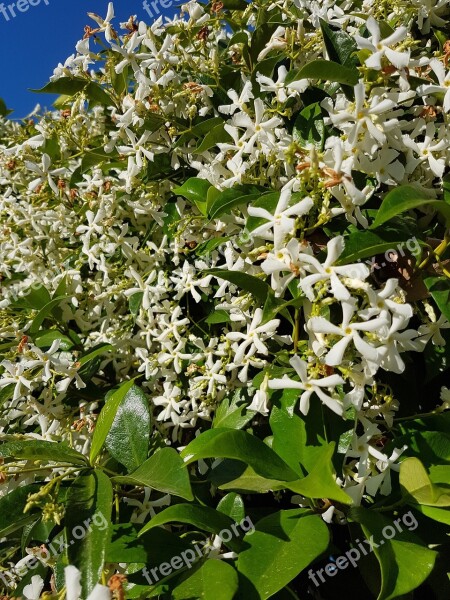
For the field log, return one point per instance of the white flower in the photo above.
(443, 80)
(239, 102)
(329, 272)
(309, 386)
(146, 507)
(33, 590)
(380, 48)
(44, 173)
(348, 332)
(281, 223)
(72, 578)
(251, 342)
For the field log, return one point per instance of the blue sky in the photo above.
(34, 41)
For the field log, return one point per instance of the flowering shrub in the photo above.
(225, 300)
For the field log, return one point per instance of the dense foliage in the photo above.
(224, 301)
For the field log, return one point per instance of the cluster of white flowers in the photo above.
(88, 213)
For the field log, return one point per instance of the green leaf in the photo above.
(439, 288)
(128, 438)
(210, 245)
(283, 544)
(69, 86)
(44, 339)
(107, 416)
(96, 93)
(97, 351)
(257, 287)
(230, 198)
(204, 518)
(218, 316)
(135, 302)
(216, 135)
(12, 506)
(232, 413)
(44, 313)
(94, 157)
(4, 111)
(234, 475)
(396, 556)
(417, 486)
(235, 4)
(309, 126)
(165, 471)
(368, 243)
(321, 480)
(199, 130)
(341, 47)
(441, 515)
(233, 506)
(213, 580)
(151, 548)
(239, 445)
(195, 190)
(403, 198)
(36, 298)
(42, 450)
(326, 70)
(88, 509)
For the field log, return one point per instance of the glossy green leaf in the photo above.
(216, 135)
(284, 544)
(195, 190)
(44, 339)
(91, 354)
(309, 127)
(12, 505)
(341, 47)
(369, 243)
(321, 480)
(439, 288)
(257, 287)
(107, 416)
(4, 111)
(43, 451)
(233, 506)
(230, 198)
(236, 476)
(204, 518)
(151, 548)
(326, 70)
(218, 316)
(128, 437)
(210, 245)
(164, 471)
(213, 580)
(397, 555)
(404, 198)
(235, 4)
(239, 445)
(68, 86)
(88, 526)
(135, 303)
(418, 487)
(44, 313)
(232, 413)
(98, 95)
